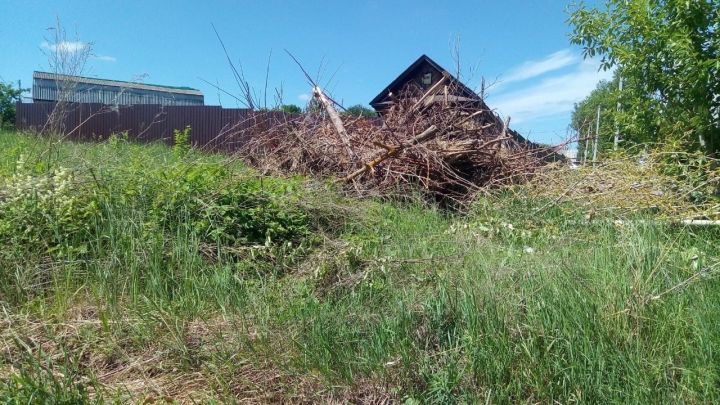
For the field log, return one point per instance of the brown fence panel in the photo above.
(33, 118)
(212, 127)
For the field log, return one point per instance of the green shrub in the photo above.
(243, 215)
(58, 213)
(181, 144)
(45, 212)
(217, 208)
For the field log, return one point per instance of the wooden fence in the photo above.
(212, 127)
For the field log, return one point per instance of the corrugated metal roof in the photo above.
(117, 83)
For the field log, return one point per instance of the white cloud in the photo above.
(105, 58)
(304, 97)
(70, 47)
(535, 68)
(552, 96)
(65, 46)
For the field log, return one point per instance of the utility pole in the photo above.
(587, 140)
(597, 135)
(19, 91)
(617, 126)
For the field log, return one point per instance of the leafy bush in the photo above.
(45, 212)
(243, 215)
(207, 201)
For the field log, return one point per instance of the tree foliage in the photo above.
(360, 110)
(9, 95)
(668, 54)
(286, 108)
(290, 109)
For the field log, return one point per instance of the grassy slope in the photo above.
(380, 300)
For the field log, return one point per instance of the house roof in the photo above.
(465, 92)
(408, 73)
(118, 83)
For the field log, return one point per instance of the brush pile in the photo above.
(659, 179)
(449, 148)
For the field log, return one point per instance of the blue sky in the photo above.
(355, 48)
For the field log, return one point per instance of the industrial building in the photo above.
(56, 87)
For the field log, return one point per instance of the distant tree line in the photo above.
(357, 110)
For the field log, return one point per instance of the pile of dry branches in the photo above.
(450, 148)
(659, 179)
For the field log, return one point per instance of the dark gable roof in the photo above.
(409, 73)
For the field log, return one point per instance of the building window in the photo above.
(426, 79)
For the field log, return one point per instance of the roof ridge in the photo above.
(85, 78)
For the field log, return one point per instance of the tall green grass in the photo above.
(209, 271)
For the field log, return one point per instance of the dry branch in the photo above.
(335, 119)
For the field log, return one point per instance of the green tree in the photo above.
(359, 110)
(9, 95)
(290, 109)
(668, 54)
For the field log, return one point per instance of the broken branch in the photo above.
(336, 121)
